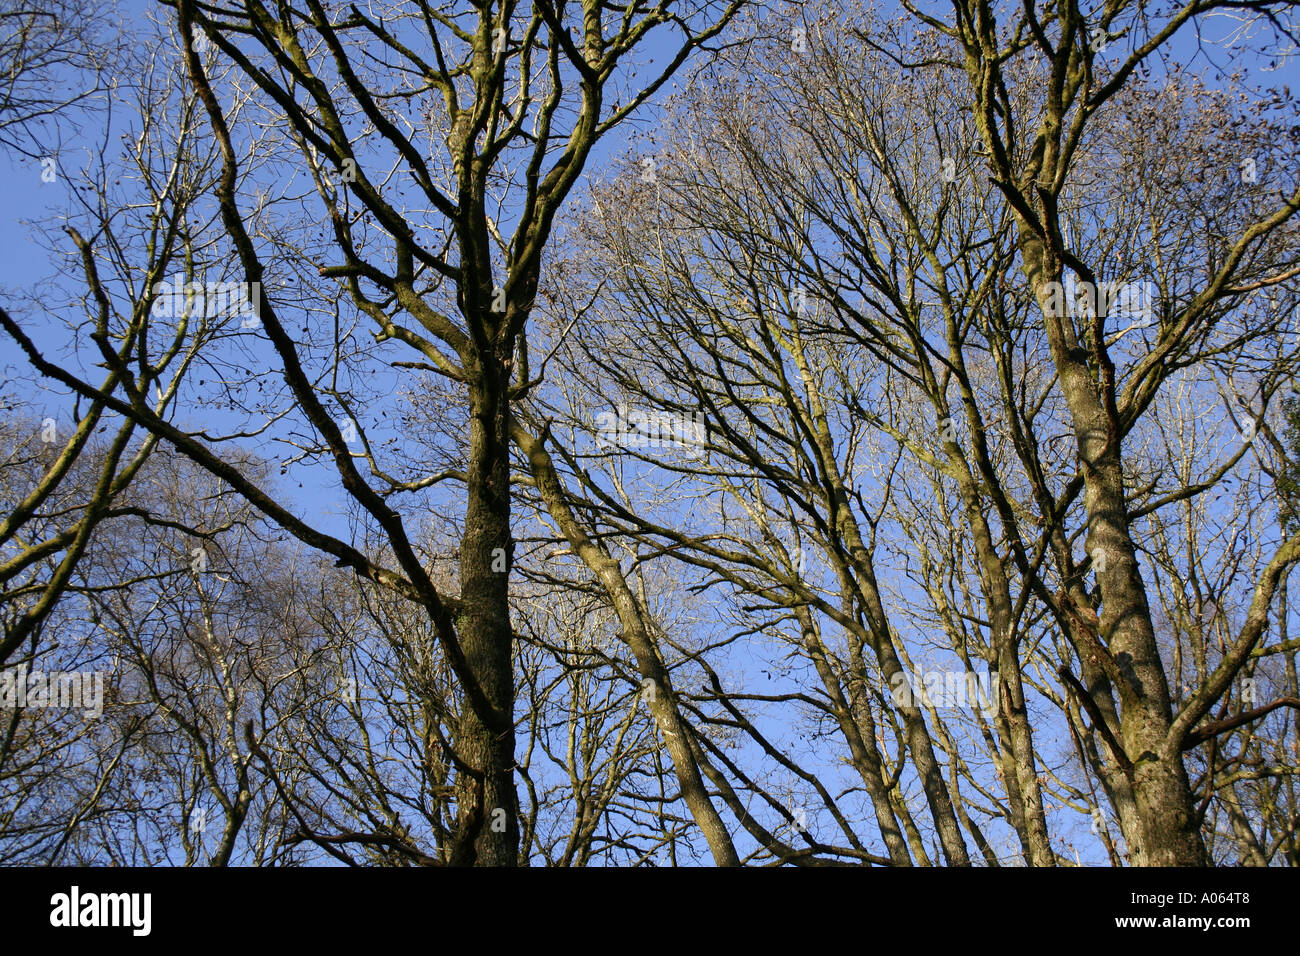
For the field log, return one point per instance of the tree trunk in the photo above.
(486, 741)
(1124, 639)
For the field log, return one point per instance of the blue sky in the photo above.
(28, 284)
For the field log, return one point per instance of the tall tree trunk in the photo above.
(1123, 641)
(659, 691)
(486, 741)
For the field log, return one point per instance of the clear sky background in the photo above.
(29, 277)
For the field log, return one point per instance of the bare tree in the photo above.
(885, 462)
(55, 58)
(841, 305)
(512, 101)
